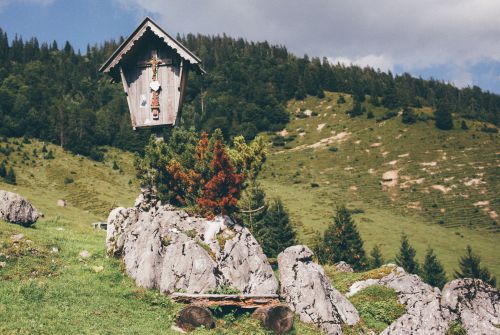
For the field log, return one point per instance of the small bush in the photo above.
(224, 289)
(486, 129)
(49, 155)
(341, 100)
(314, 185)
(68, 180)
(96, 155)
(387, 116)
(115, 166)
(370, 115)
(333, 149)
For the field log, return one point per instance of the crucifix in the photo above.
(154, 85)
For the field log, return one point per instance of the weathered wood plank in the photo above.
(240, 300)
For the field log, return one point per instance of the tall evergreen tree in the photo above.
(432, 270)
(269, 223)
(3, 169)
(342, 242)
(274, 231)
(406, 257)
(10, 178)
(444, 121)
(470, 267)
(376, 260)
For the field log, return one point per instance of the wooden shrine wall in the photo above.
(172, 78)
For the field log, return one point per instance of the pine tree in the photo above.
(274, 231)
(3, 169)
(406, 256)
(470, 267)
(432, 270)
(408, 116)
(443, 117)
(10, 178)
(376, 260)
(342, 241)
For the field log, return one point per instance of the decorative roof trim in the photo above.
(149, 24)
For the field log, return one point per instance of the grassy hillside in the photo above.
(440, 187)
(46, 287)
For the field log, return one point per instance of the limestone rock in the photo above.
(476, 304)
(424, 315)
(16, 209)
(307, 291)
(188, 266)
(164, 247)
(61, 203)
(244, 265)
(343, 267)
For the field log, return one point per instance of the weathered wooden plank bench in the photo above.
(268, 310)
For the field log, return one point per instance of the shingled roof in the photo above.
(128, 44)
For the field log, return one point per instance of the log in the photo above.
(278, 318)
(193, 316)
(239, 300)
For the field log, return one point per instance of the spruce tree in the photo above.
(470, 267)
(10, 178)
(443, 117)
(269, 223)
(275, 231)
(432, 270)
(406, 256)
(3, 169)
(342, 241)
(376, 260)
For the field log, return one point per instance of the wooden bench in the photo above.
(268, 309)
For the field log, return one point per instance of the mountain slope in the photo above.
(440, 187)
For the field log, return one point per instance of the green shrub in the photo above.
(333, 149)
(224, 289)
(68, 180)
(96, 155)
(378, 306)
(456, 329)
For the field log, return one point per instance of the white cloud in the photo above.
(409, 34)
(381, 62)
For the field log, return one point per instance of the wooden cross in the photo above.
(154, 63)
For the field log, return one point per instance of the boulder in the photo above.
(307, 291)
(424, 315)
(165, 248)
(16, 209)
(475, 304)
(343, 267)
(61, 203)
(244, 265)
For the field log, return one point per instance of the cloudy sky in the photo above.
(452, 40)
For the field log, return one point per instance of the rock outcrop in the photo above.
(16, 209)
(307, 291)
(475, 305)
(164, 247)
(424, 314)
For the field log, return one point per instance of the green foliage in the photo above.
(115, 166)
(342, 242)
(456, 329)
(356, 110)
(442, 114)
(68, 180)
(268, 222)
(387, 116)
(432, 271)
(3, 169)
(224, 289)
(341, 100)
(370, 115)
(10, 177)
(463, 125)
(408, 116)
(378, 307)
(406, 257)
(470, 267)
(376, 259)
(49, 155)
(188, 169)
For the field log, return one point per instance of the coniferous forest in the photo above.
(56, 94)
